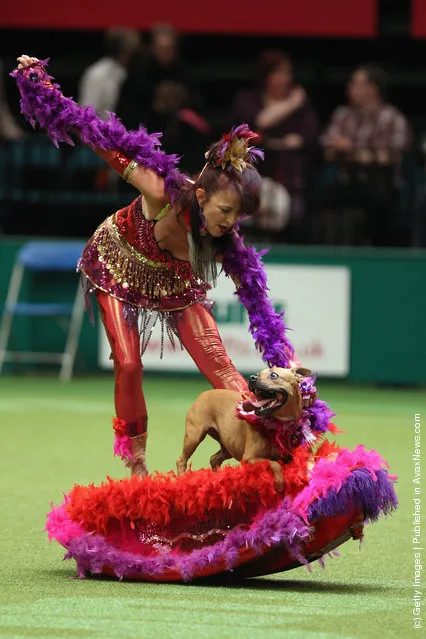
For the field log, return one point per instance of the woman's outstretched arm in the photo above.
(133, 154)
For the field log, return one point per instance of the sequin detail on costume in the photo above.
(123, 259)
(189, 534)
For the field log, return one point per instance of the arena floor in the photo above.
(54, 435)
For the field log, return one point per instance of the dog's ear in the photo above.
(300, 373)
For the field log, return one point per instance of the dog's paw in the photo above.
(278, 476)
(181, 466)
(139, 468)
(279, 483)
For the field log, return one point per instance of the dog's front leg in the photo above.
(275, 467)
(278, 475)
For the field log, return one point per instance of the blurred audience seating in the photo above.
(49, 192)
(44, 191)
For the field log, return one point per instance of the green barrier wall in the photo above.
(388, 309)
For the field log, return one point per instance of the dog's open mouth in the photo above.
(264, 402)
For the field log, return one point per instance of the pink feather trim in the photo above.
(123, 447)
(60, 527)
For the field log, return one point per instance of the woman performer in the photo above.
(155, 259)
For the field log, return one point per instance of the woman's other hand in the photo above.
(292, 141)
(26, 61)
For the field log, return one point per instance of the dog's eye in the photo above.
(273, 375)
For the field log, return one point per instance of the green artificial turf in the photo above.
(53, 435)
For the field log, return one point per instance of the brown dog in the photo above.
(214, 413)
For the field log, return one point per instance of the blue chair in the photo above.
(57, 256)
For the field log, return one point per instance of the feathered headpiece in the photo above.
(234, 149)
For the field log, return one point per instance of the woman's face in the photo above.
(359, 88)
(221, 210)
(280, 80)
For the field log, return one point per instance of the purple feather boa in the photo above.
(266, 324)
(60, 115)
(320, 416)
(280, 526)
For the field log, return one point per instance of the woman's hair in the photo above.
(376, 76)
(267, 63)
(245, 183)
(229, 166)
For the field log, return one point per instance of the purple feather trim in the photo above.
(60, 115)
(276, 527)
(266, 324)
(330, 474)
(320, 416)
(374, 496)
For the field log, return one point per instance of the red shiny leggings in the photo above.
(200, 337)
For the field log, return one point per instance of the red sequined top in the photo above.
(123, 259)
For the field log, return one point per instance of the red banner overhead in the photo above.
(418, 18)
(352, 18)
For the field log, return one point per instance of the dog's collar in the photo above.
(284, 436)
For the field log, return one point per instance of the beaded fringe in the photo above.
(88, 290)
(145, 319)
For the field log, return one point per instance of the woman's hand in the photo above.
(26, 61)
(292, 141)
(340, 143)
(33, 70)
(277, 111)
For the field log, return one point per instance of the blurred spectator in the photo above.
(367, 130)
(9, 129)
(366, 140)
(101, 83)
(186, 132)
(281, 112)
(147, 73)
